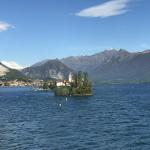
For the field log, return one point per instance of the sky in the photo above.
(34, 30)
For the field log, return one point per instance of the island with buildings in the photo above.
(78, 84)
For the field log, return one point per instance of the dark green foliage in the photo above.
(52, 86)
(6, 84)
(62, 91)
(82, 85)
(45, 86)
(83, 81)
(75, 83)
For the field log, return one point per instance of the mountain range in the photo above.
(114, 66)
(104, 67)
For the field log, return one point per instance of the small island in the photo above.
(78, 84)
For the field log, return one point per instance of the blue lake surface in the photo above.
(117, 117)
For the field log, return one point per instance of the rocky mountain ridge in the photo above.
(106, 66)
(47, 69)
(113, 65)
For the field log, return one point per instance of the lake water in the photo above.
(117, 117)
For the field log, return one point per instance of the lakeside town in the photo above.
(18, 83)
(77, 84)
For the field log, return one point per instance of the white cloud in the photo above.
(4, 26)
(107, 9)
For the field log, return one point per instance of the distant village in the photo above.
(19, 83)
(77, 83)
(37, 82)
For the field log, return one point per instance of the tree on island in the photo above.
(81, 84)
(45, 86)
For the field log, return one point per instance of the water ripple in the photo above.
(117, 117)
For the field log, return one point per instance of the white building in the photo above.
(60, 84)
(70, 77)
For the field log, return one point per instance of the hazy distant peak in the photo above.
(115, 50)
(111, 49)
(123, 50)
(12, 65)
(146, 51)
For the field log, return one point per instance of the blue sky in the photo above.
(33, 30)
